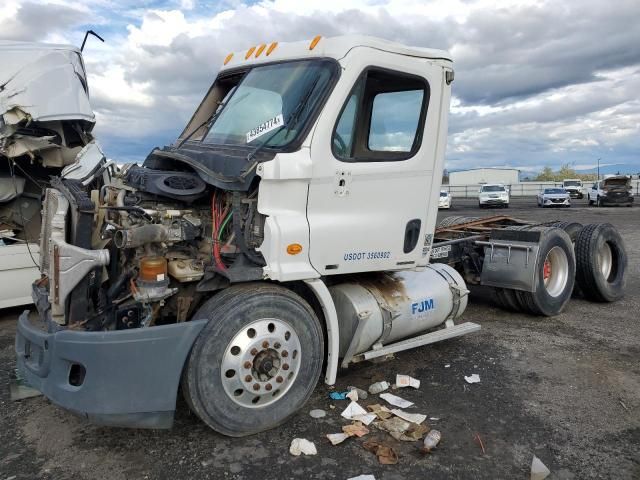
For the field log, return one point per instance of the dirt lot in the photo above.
(566, 389)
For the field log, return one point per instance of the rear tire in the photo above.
(601, 262)
(260, 335)
(555, 274)
(599, 202)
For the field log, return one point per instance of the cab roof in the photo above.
(13, 45)
(331, 47)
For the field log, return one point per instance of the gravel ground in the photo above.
(566, 389)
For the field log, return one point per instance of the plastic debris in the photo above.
(431, 440)
(409, 417)
(338, 395)
(363, 477)
(539, 470)
(302, 446)
(380, 411)
(362, 394)
(478, 439)
(378, 387)
(447, 365)
(386, 455)
(397, 401)
(317, 413)
(355, 429)
(475, 378)
(403, 381)
(356, 412)
(353, 395)
(336, 438)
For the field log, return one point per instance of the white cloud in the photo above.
(533, 85)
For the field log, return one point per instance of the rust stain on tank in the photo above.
(387, 286)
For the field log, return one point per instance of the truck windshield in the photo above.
(572, 183)
(493, 188)
(271, 104)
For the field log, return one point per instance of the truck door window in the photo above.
(383, 118)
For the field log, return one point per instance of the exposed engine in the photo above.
(171, 239)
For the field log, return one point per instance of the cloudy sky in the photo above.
(537, 82)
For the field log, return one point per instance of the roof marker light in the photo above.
(228, 58)
(314, 42)
(271, 48)
(260, 50)
(249, 53)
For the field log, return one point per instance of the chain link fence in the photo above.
(522, 189)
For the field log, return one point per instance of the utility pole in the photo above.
(598, 168)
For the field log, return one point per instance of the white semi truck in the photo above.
(291, 228)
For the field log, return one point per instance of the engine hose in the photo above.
(237, 228)
(136, 237)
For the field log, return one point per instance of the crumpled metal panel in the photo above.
(42, 82)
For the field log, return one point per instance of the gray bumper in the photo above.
(130, 377)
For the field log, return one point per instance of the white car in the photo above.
(445, 199)
(613, 190)
(493, 194)
(554, 197)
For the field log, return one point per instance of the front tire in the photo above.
(257, 360)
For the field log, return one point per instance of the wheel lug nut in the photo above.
(279, 379)
(256, 386)
(285, 366)
(254, 351)
(248, 378)
(247, 364)
(285, 354)
(265, 344)
(268, 387)
(276, 345)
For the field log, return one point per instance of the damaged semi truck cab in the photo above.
(290, 226)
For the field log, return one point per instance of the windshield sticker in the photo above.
(266, 127)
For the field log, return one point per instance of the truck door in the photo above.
(377, 155)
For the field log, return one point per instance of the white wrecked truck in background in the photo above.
(45, 121)
(292, 224)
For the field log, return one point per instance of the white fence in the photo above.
(522, 189)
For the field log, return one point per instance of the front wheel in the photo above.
(257, 360)
(598, 202)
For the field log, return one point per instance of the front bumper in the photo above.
(575, 194)
(556, 202)
(125, 378)
(494, 201)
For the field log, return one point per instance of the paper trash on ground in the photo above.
(409, 417)
(336, 438)
(356, 428)
(475, 378)
(356, 412)
(407, 381)
(301, 445)
(539, 470)
(363, 477)
(397, 401)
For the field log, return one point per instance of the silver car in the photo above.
(554, 197)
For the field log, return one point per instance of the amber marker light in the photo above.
(228, 58)
(314, 42)
(271, 48)
(294, 248)
(249, 53)
(260, 50)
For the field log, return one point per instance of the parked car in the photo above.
(445, 199)
(614, 190)
(574, 187)
(493, 194)
(554, 197)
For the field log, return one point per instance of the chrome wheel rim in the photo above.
(605, 259)
(260, 363)
(555, 271)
